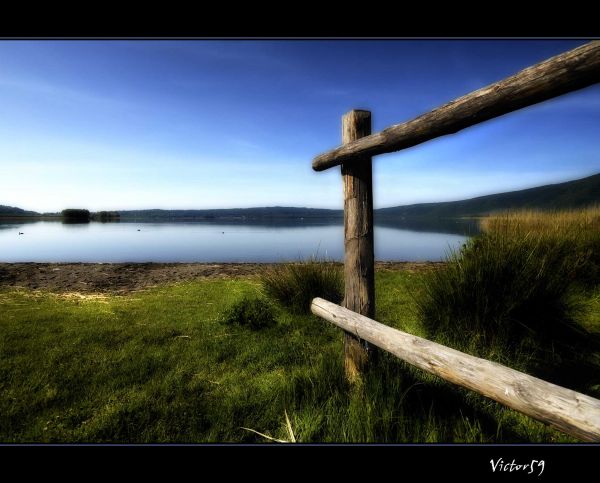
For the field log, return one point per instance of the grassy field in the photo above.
(161, 366)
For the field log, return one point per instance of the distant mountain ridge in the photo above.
(273, 212)
(14, 211)
(570, 194)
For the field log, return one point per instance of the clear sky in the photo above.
(223, 124)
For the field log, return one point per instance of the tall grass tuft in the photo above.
(507, 294)
(294, 285)
(580, 229)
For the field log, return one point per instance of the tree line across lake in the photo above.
(73, 215)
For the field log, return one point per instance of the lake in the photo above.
(51, 241)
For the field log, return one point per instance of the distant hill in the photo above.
(233, 214)
(7, 211)
(571, 194)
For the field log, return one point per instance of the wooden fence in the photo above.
(574, 413)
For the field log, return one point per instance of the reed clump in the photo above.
(294, 285)
(510, 291)
(578, 229)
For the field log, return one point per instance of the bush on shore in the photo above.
(294, 285)
(510, 292)
(578, 229)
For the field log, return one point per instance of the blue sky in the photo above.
(222, 124)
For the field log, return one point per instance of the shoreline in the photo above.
(122, 278)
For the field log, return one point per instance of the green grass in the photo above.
(161, 366)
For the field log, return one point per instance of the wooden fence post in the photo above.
(359, 260)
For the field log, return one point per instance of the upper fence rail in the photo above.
(567, 72)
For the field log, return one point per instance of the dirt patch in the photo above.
(129, 277)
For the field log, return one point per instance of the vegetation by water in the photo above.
(579, 229)
(106, 216)
(75, 215)
(514, 294)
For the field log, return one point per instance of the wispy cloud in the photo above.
(243, 143)
(253, 54)
(62, 94)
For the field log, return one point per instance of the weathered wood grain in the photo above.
(558, 75)
(571, 412)
(359, 260)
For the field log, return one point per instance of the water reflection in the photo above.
(263, 241)
(456, 226)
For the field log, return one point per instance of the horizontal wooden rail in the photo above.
(558, 75)
(571, 412)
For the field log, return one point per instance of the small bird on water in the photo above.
(21, 233)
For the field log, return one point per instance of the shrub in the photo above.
(500, 289)
(254, 313)
(579, 228)
(294, 285)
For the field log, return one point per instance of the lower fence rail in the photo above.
(569, 411)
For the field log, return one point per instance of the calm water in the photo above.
(206, 242)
